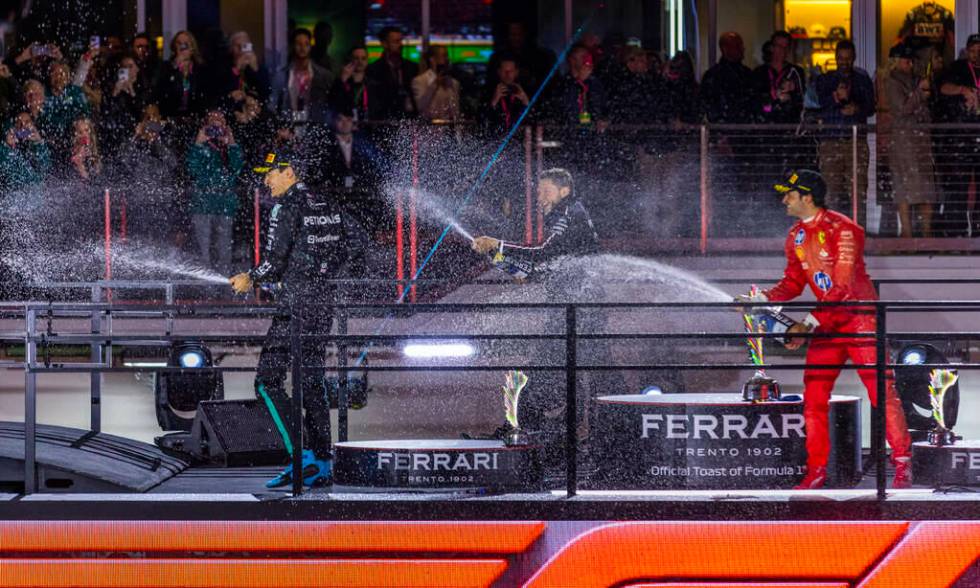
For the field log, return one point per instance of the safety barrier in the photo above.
(38, 336)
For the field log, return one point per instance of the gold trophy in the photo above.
(760, 387)
(513, 385)
(940, 381)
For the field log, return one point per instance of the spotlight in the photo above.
(912, 384)
(913, 355)
(179, 393)
(652, 391)
(437, 350)
(191, 358)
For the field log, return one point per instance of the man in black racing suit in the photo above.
(310, 240)
(569, 233)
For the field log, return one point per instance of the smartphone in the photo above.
(153, 126)
(214, 131)
(94, 42)
(22, 133)
(246, 47)
(39, 50)
(123, 75)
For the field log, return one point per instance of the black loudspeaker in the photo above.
(230, 433)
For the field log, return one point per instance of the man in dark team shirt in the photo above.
(960, 100)
(569, 227)
(311, 239)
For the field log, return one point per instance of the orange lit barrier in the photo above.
(533, 554)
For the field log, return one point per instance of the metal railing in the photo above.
(38, 337)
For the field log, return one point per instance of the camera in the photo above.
(153, 126)
(94, 42)
(246, 47)
(183, 46)
(39, 50)
(22, 133)
(511, 89)
(214, 131)
(123, 75)
(442, 69)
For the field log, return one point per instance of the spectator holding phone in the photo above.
(505, 103)
(122, 105)
(32, 62)
(435, 91)
(24, 156)
(243, 75)
(350, 92)
(86, 160)
(145, 173)
(181, 90)
(213, 164)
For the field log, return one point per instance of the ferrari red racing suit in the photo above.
(827, 252)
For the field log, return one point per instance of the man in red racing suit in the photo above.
(825, 249)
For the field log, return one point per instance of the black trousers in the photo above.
(274, 363)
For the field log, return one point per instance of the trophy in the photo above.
(940, 381)
(760, 387)
(514, 382)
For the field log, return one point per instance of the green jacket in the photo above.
(213, 181)
(59, 112)
(22, 168)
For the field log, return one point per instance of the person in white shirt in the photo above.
(435, 91)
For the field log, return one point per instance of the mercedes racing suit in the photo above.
(569, 232)
(310, 240)
(827, 252)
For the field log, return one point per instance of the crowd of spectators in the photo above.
(178, 136)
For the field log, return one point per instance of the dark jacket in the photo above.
(311, 239)
(169, 93)
(862, 95)
(351, 96)
(726, 93)
(766, 82)
(569, 231)
(279, 101)
(572, 98)
(389, 89)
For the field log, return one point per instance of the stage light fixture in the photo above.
(913, 355)
(178, 393)
(191, 358)
(438, 350)
(912, 384)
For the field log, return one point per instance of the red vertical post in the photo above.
(413, 229)
(528, 188)
(107, 222)
(399, 241)
(539, 151)
(705, 202)
(256, 227)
